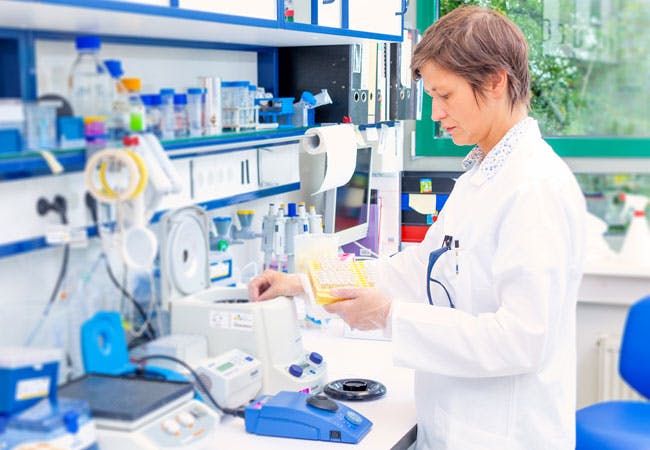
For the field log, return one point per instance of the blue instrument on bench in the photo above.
(305, 416)
(104, 349)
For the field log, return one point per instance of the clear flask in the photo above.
(89, 83)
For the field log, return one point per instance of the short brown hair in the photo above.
(474, 43)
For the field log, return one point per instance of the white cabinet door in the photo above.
(376, 16)
(256, 9)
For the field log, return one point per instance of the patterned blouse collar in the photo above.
(496, 158)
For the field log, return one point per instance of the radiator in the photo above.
(610, 384)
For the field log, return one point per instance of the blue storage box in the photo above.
(26, 376)
(10, 140)
(275, 110)
(71, 132)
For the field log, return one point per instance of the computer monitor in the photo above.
(347, 207)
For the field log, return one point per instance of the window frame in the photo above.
(428, 144)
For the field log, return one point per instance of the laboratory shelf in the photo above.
(232, 140)
(28, 164)
(132, 19)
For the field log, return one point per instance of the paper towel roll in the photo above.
(338, 143)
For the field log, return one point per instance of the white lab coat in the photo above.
(498, 372)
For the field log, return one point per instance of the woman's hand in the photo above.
(270, 284)
(362, 309)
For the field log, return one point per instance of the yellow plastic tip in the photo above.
(91, 119)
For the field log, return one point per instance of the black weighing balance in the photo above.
(143, 413)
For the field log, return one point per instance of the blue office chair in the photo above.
(623, 425)
(104, 349)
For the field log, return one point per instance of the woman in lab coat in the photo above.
(494, 357)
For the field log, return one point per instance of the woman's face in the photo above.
(462, 115)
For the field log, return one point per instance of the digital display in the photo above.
(225, 366)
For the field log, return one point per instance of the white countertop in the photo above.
(393, 415)
(613, 283)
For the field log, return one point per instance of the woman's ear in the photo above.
(497, 84)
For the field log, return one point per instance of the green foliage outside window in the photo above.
(588, 62)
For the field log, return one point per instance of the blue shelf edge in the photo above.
(32, 164)
(38, 243)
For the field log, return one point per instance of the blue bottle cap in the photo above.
(71, 421)
(146, 99)
(114, 67)
(316, 358)
(155, 100)
(180, 99)
(166, 91)
(308, 98)
(194, 91)
(291, 211)
(252, 87)
(88, 42)
(235, 83)
(295, 370)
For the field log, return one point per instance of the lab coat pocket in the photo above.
(458, 276)
(457, 435)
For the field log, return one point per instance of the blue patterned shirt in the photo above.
(495, 159)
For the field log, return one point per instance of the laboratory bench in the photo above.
(393, 415)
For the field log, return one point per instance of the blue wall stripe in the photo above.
(32, 164)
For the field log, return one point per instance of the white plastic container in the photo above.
(212, 108)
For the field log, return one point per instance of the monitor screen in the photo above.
(346, 207)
